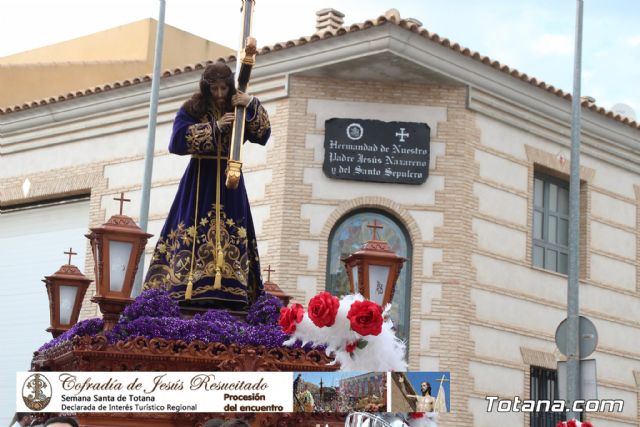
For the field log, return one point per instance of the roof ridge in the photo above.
(389, 18)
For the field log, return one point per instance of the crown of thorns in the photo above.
(217, 71)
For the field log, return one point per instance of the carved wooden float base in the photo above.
(94, 353)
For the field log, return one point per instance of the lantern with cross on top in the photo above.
(66, 289)
(117, 246)
(273, 289)
(373, 270)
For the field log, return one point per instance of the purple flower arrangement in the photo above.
(153, 314)
(265, 311)
(85, 327)
(216, 315)
(151, 303)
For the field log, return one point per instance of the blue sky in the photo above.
(534, 36)
(537, 37)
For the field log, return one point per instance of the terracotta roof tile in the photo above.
(392, 18)
(109, 86)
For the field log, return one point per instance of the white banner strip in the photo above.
(154, 391)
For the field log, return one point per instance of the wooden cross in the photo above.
(121, 199)
(375, 226)
(269, 271)
(70, 253)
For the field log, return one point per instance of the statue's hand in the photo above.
(225, 122)
(240, 99)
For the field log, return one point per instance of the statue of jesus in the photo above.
(426, 402)
(207, 255)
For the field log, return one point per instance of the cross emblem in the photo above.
(121, 200)
(269, 271)
(402, 134)
(375, 227)
(70, 253)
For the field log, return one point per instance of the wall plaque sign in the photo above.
(373, 150)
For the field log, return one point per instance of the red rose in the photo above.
(289, 316)
(572, 423)
(586, 424)
(365, 317)
(416, 415)
(560, 424)
(323, 309)
(351, 347)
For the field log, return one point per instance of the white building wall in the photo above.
(518, 306)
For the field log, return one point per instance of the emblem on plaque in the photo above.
(354, 131)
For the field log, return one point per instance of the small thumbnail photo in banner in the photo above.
(340, 392)
(420, 391)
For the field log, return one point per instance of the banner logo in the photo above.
(36, 392)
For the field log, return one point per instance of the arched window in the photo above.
(348, 235)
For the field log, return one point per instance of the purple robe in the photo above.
(171, 262)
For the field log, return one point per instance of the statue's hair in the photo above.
(201, 102)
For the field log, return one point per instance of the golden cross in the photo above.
(70, 253)
(375, 226)
(121, 200)
(269, 271)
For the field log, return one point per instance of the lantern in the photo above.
(117, 246)
(273, 289)
(66, 289)
(374, 269)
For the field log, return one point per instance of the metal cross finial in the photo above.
(269, 271)
(121, 199)
(375, 227)
(70, 253)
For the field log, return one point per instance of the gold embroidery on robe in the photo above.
(199, 138)
(260, 123)
(172, 259)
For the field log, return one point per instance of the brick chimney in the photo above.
(328, 20)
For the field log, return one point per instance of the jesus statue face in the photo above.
(219, 91)
(424, 387)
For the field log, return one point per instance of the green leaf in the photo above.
(362, 343)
